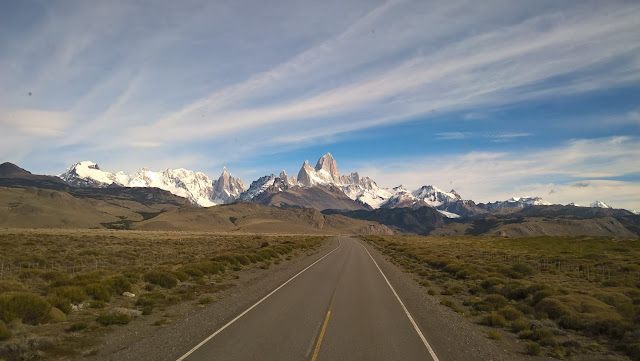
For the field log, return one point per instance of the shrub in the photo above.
(182, 276)
(62, 303)
(97, 304)
(115, 319)
(76, 327)
(192, 271)
(447, 302)
(119, 284)
(243, 260)
(523, 269)
(99, 291)
(491, 303)
(542, 294)
(160, 322)
(532, 348)
(495, 335)
(494, 320)
(161, 278)
(31, 308)
(520, 325)
(553, 308)
(510, 313)
(5, 333)
(74, 294)
(205, 300)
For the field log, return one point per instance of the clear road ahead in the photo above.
(340, 308)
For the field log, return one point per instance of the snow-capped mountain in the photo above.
(598, 204)
(518, 202)
(361, 189)
(197, 187)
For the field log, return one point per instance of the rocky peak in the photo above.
(328, 164)
(306, 174)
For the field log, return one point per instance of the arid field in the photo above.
(565, 297)
(60, 290)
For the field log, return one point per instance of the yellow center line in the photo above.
(324, 328)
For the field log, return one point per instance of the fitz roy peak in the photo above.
(197, 187)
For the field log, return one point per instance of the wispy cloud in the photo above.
(497, 176)
(451, 135)
(208, 81)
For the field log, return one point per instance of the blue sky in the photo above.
(494, 99)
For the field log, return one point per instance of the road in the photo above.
(339, 308)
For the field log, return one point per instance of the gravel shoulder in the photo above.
(190, 323)
(451, 335)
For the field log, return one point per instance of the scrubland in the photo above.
(563, 297)
(61, 290)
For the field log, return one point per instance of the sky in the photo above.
(494, 99)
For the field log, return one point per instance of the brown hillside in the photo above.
(255, 218)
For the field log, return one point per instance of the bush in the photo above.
(97, 304)
(119, 284)
(542, 294)
(182, 276)
(491, 303)
(205, 300)
(532, 348)
(162, 279)
(76, 327)
(192, 271)
(494, 320)
(510, 313)
(495, 335)
(75, 294)
(116, 319)
(62, 303)
(31, 308)
(99, 291)
(5, 333)
(553, 308)
(520, 325)
(447, 302)
(243, 260)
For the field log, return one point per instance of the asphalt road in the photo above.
(340, 308)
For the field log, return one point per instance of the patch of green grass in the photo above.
(532, 348)
(493, 319)
(161, 278)
(205, 300)
(447, 302)
(114, 319)
(160, 322)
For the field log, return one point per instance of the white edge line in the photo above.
(415, 326)
(256, 304)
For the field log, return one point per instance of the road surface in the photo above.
(339, 308)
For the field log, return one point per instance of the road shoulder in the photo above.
(452, 336)
(189, 325)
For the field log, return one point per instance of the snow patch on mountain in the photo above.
(598, 204)
(448, 214)
(197, 187)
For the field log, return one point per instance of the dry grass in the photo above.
(66, 286)
(561, 293)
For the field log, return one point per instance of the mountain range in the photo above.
(321, 187)
(87, 197)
